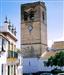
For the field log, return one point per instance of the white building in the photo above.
(9, 61)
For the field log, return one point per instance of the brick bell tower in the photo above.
(33, 29)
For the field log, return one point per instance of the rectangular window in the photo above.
(14, 47)
(14, 70)
(11, 46)
(8, 45)
(8, 70)
(2, 69)
(3, 44)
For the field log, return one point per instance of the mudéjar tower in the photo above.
(33, 29)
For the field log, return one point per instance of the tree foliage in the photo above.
(57, 60)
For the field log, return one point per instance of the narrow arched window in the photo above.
(31, 15)
(25, 16)
(43, 16)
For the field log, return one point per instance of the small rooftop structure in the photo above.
(8, 28)
(50, 53)
(58, 45)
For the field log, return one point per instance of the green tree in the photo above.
(57, 60)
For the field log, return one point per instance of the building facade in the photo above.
(9, 61)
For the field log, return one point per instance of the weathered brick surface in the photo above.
(34, 43)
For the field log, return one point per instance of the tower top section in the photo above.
(28, 5)
(32, 11)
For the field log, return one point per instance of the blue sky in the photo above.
(11, 9)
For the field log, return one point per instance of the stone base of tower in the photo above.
(35, 50)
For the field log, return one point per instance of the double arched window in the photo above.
(28, 15)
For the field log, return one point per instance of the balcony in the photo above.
(12, 54)
(12, 57)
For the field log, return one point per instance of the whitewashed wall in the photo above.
(32, 65)
(0, 69)
(20, 66)
(2, 61)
